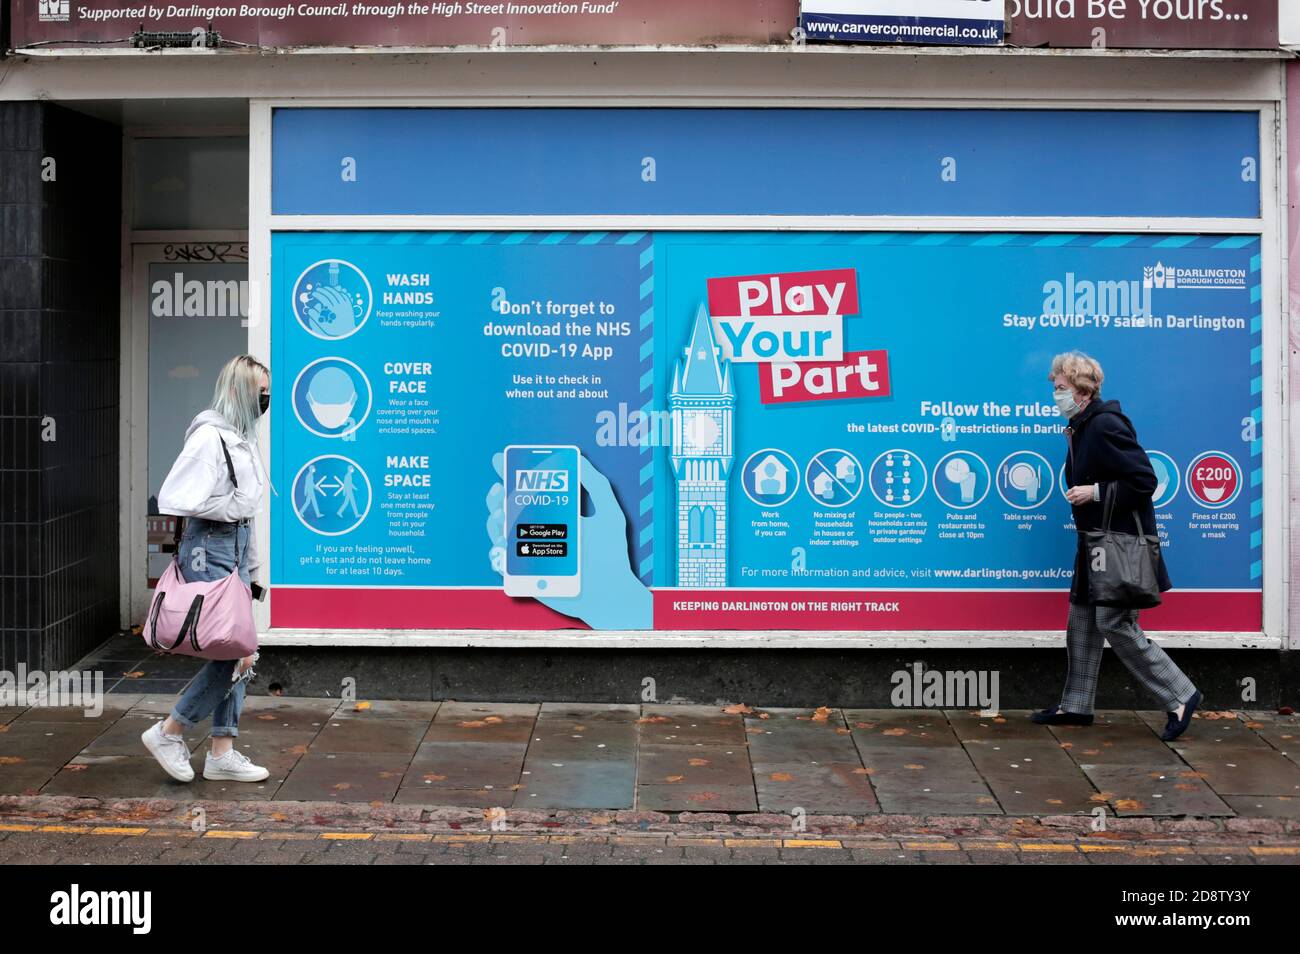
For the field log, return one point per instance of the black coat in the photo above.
(1104, 450)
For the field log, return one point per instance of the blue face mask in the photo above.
(1065, 402)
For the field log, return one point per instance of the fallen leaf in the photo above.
(431, 777)
(821, 714)
(914, 767)
(738, 709)
(296, 750)
(473, 724)
(9, 760)
(862, 771)
(1185, 787)
(279, 816)
(702, 797)
(342, 786)
(864, 725)
(132, 675)
(648, 719)
(267, 717)
(1128, 805)
(1100, 797)
(698, 762)
(755, 730)
(1055, 801)
(781, 777)
(894, 732)
(674, 779)
(491, 720)
(765, 715)
(843, 731)
(361, 707)
(1000, 719)
(74, 768)
(1067, 745)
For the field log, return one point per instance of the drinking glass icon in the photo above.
(1025, 477)
(958, 471)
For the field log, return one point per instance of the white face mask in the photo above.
(1066, 403)
(332, 416)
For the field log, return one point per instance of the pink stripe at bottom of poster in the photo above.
(812, 611)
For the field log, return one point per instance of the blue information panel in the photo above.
(863, 421)
(1014, 162)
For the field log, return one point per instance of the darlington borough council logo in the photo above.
(1158, 276)
(53, 11)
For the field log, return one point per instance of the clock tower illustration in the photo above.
(702, 406)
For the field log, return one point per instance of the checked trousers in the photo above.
(1087, 632)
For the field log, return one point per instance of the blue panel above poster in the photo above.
(951, 162)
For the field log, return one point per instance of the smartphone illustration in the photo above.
(542, 533)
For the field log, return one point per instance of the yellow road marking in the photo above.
(1045, 846)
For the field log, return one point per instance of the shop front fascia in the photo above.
(910, 258)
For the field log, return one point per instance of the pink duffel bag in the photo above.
(210, 619)
(207, 619)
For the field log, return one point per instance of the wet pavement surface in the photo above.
(389, 782)
(677, 758)
(708, 760)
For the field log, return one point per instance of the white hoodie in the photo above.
(198, 484)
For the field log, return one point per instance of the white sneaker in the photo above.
(171, 752)
(234, 766)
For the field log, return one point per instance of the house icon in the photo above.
(845, 469)
(823, 486)
(770, 477)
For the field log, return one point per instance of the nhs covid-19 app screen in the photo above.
(543, 494)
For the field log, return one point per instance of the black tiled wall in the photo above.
(59, 368)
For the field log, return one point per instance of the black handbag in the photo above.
(1123, 568)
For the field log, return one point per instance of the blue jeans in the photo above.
(209, 551)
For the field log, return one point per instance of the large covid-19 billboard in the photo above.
(811, 431)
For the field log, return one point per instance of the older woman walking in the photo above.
(1104, 456)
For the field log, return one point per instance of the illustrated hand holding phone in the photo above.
(601, 590)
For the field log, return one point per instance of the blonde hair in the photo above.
(236, 395)
(1083, 373)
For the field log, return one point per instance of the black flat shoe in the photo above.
(1175, 726)
(1057, 716)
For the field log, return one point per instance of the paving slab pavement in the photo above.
(728, 760)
